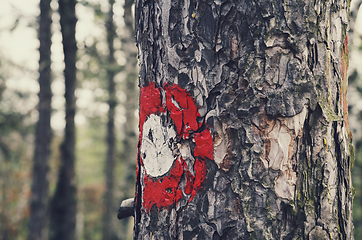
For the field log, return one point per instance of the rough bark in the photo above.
(43, 135)
(110, 163)
(63, 205)
(243, 120)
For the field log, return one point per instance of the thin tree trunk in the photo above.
(131, 105)
(129, 155)
(3, 217)
(109, 216)
(243, 120)
(40, 186)
(63, 206)
(355, 113)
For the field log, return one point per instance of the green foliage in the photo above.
(16, 141)
(357, 182)
(91, 150)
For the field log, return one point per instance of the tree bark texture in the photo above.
(40, 185)
(110, 163)
(63, 206)
(243, 120)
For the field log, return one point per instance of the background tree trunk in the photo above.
(63, 206)
(243, 120)
(40, 186)
(109, 216)
(129, 155)
(130, 50)
(354, 100)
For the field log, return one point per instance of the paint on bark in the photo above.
(173, 149)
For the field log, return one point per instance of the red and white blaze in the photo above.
(174, 146)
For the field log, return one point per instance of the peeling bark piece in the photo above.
(285, 184)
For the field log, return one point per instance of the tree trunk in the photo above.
(130, 50)
(63, 206)
(40, 186)
(129, 156)
(109, 216)
(243, 120)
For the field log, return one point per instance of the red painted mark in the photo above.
(204, 145)
(200, 174)
(167, 190)
(185, 114)
(150, 103)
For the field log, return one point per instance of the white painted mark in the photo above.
(156, 146)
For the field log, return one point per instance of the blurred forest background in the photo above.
(73, 121)
(106, 116)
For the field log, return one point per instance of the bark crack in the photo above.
(341, 221)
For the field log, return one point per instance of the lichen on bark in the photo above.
(268, 80)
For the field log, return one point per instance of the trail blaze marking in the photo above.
(174, 145)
